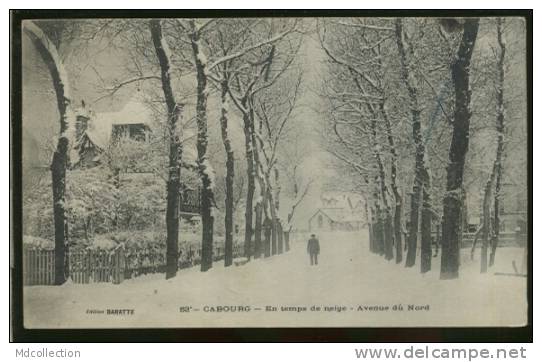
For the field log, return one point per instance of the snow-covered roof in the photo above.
(136, 111)
(340, 214)
(336, 199)
(100, 126)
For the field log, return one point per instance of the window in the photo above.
(320, 221)
(136, 131)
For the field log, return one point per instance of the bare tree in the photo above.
(231, 37)
(365, 97)
(274, 107)
(489, 227)
(452, 203)
(51, 58)
(257, 73)
(297, 187)
(421, 177)
(175, 149)
(200, 35)
(204, 166)
(500, 126)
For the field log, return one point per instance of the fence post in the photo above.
(94, 267)
(107, 266)
(51, 271)
(33, 264)
(40, 267)
(25, 266)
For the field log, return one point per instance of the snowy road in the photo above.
(350, 286)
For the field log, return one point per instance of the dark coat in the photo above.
(313, 246)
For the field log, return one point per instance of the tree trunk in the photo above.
(278, 227)
(266, 193)
(378, 231)
(496, 220)
(267, 226)
(175, 151)
(251, 187)
(286, 240)
(58, 173)
(420, 170)
(52, 60)
(452, 203)
(397, 226)
(368, 217)
(228, 220)
(287, 232)
(486, 222)
(397, 217)
(280, 236)
(427, 215)
(273, 215)
(386, 223)
(276, 206)
(388, 236)
(412, 240)
(258, 231)
(497, 166)
(370, 222)
(205, 170)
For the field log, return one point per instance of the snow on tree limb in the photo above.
(49, 54)
(251, 47)
(111, 90)
(363, 26)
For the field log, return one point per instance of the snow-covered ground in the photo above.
(353, 284)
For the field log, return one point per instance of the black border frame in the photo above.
(21, 334)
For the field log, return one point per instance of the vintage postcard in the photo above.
(275, 172)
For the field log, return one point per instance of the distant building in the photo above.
(338, 211)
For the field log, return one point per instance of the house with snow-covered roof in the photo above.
(94, 132)
(338, 211)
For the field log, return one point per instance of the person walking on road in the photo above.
(313, 248)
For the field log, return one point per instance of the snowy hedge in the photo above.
(37, 242)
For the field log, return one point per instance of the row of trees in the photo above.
(400, 111)
(250, 63)
(403, 100)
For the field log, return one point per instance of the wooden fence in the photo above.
(97, 266)
(38, 267)
(105, 266)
